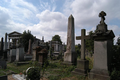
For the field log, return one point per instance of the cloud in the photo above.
(51, 23)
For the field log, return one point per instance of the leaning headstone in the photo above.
(70, 57)
(103, 42)
(83, 64)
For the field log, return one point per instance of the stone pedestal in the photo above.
(102, 59)
(99, 74)
(82, 68)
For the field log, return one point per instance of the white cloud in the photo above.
(51, 23)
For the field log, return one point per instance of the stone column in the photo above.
(70, 56)
(29, 47)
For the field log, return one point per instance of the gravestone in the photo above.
(83, 64)
(3, 64)
(5, 47)
(42, 56)
(34, 52)
(12, 56)
(1, 51)
(19, 54)
(29, 47)
(70, 57)
(103, 43)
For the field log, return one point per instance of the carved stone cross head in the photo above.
(102, 14)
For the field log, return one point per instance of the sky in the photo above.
(50, 17)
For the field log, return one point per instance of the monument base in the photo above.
(82, 68)
(99, 74)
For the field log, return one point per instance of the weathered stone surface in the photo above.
(70, 55)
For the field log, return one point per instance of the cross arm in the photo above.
(79, 37)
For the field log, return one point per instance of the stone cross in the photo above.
(82, 38)
(102, 14)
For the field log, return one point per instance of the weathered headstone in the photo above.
(29, 47)
(103, 42)
(83, 64)
(70, 56)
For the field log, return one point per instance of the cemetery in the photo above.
(53, 60)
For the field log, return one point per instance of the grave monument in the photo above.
(70, 57)
(83, 64)
(103, 42)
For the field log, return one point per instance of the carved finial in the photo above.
(102, 14)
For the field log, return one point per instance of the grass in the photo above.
(55, 70)
(12, 68)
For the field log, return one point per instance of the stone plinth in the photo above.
(82, 68)
(102, 59)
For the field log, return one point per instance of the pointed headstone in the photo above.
(70, 56)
